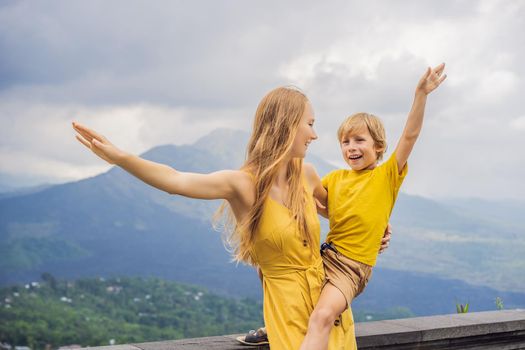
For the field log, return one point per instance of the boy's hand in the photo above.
(431, 79)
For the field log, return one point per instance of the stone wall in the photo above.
(501, 330)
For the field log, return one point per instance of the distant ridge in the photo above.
(114, 225)
(23, 191)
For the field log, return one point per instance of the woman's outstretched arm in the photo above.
(217, 185)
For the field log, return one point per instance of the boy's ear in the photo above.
(379, 149)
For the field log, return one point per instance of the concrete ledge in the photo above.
(480, 330)
(220, 342)
(502, 330)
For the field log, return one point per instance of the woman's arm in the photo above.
(385, 241)
(217, 185)
(319, 192)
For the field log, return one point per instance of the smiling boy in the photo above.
(360, 201)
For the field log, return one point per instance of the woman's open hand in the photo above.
(385, 242)
(98, 144)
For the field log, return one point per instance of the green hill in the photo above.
(92, 312)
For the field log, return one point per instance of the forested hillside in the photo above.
(98, 311)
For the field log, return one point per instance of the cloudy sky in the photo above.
(146, 73)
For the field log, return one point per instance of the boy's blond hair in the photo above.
(375, 127)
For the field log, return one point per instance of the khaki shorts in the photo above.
(347, 275)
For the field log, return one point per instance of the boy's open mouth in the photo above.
(354, 157)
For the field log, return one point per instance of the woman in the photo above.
(270, 204)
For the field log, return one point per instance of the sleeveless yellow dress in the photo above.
(292, 279)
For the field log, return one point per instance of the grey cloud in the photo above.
(215, 60)
(175, 52)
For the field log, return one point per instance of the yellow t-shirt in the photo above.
(359, 207)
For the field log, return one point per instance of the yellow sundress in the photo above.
(292, 279)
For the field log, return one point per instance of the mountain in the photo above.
(501, 212)
(9, 192)
(23, 183)
(424, 294)
(451, 242)
(114, 225)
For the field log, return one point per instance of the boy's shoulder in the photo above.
(335, 174)
(389, 164)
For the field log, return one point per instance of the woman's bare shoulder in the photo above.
(311, 175)
(244, 184)
(309, 170)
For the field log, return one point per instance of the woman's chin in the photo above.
(298, 154)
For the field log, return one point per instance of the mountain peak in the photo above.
(225, 144)
(223, 138)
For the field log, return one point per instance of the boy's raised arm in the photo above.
(428, 83)
(217, 185)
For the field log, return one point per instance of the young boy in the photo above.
(359, 203)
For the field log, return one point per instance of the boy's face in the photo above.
(359, 150)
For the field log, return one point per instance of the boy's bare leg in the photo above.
(330, 305)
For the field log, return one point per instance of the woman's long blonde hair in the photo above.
(274, 128)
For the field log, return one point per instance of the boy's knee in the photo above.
(323, 318)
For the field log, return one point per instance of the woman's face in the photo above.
(305, 133)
